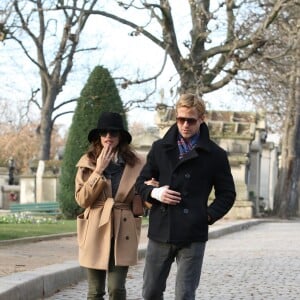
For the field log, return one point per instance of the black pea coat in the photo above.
(194, 176)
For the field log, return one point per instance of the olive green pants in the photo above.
(116, 280)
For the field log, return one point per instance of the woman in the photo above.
(108, 232)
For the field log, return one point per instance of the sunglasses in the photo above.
(190, 121)
(112, 133)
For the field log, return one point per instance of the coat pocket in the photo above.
(82, 228)
(138, 227)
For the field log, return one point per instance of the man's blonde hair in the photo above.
(191, 100)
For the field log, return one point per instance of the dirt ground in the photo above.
(26, 256)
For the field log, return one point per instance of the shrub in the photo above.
(99, 94)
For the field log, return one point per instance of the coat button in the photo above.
(125, 219)
(163, 209)
(187, 175)
(127, 237)
(186, 211)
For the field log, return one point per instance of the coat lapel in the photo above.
(127, 181)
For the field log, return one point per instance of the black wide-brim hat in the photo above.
(109, 121)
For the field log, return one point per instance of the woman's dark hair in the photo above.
(124, 149)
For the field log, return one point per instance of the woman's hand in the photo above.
(152, 182)
(104, 159)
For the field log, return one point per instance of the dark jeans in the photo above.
(158, 262)
(116, 279)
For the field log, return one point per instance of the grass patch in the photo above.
(145, 221)
(20, 226)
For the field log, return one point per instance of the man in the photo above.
(187, 165)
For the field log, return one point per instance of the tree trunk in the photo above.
(293, 203)
(46, 126)
(287, 196)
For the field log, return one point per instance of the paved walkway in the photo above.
(30, 269)
(262, 262)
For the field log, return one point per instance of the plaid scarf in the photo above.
(186, 146)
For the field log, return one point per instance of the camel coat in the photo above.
(106, 218)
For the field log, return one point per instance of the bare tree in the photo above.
(218, 43)
(203, 60)
(20, 142)
(274, 83)
(35, 21)
(5, 12)
(287, 197)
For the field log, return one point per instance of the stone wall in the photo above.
(42, 184)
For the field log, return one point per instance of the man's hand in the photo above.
(165, 195)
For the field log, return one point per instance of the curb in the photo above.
(42, 282)
(214, 234)
(37, 238)
(45, 281)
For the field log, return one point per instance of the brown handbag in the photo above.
(137, 206)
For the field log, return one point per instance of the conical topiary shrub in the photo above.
(99, 94)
